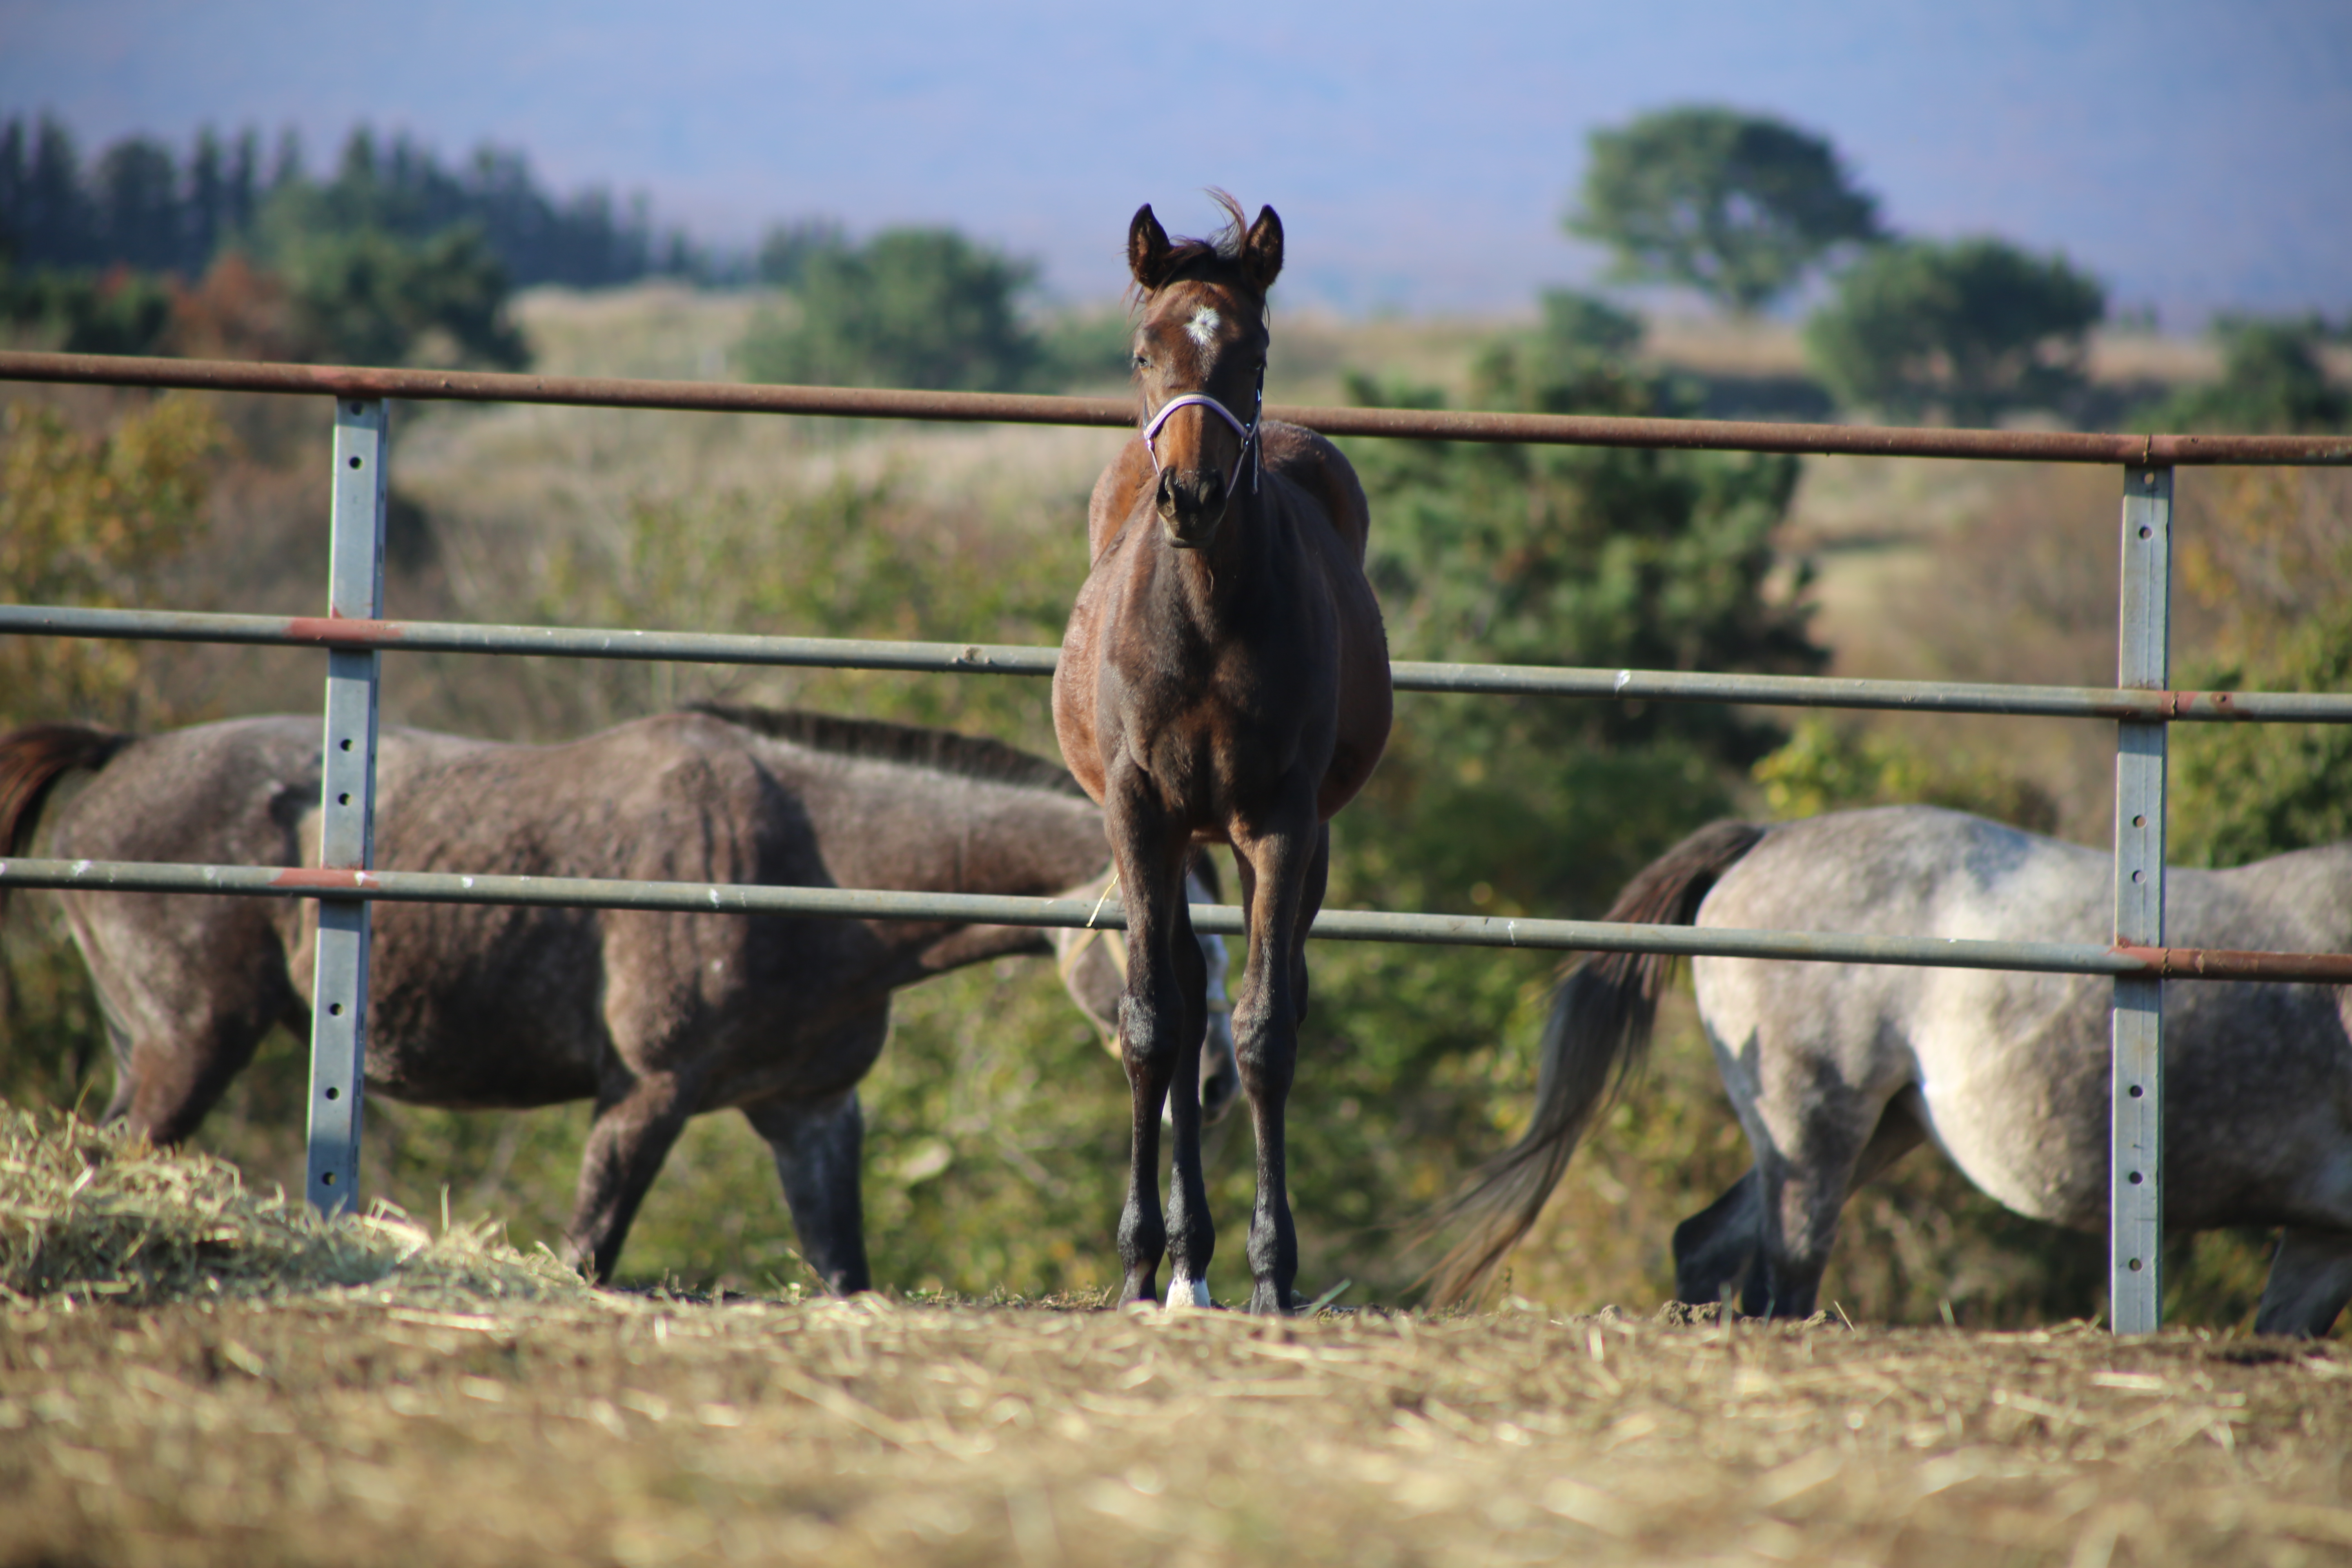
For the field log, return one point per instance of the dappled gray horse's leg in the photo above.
(817, 1145)
(2310, 1283)
(636, 1122)
(1715, 1247)
(1820, 1133)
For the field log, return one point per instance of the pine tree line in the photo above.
(138, 204)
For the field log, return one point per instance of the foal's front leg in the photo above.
(1159, 1044)
(1283, 868)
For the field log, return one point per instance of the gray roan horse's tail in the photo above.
(1597, 1032)
(31, 759)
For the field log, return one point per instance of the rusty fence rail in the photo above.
(354, 635)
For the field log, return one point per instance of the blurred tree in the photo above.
(913, 307)
(2272, 381)
(139, 206)
(787, 249)
(365, 296)
(78, 311)
(1966, 329)
(1738, 206)
(1576, 322)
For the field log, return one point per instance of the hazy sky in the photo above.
(2195, 155)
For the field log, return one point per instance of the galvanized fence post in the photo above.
(2135, 1234)
(346, 840)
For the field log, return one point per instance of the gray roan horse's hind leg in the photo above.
(817, 1145)
(637, 1120)
(2310, 1283)
(1715, 1247)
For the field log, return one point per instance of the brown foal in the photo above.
(1224, 679)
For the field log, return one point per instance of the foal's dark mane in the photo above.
(873, 739)
(1216, 259)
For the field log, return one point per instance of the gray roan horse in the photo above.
(656, 1018)
(1223, 678)
(1839, 1070)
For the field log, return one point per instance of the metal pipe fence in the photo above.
(354, 635)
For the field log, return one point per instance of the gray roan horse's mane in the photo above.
(940, 751)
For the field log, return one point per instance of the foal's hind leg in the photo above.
(1161, 1019)
(1281, 872)
(816, 1144)
(2310, 1283)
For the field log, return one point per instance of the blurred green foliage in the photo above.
(1964, 330)
(920, 307)
(367, 296)
(82, 312)
(2274, 560)
(1738, 206)
(2273, 382)
(912, 307)
(1831, 766)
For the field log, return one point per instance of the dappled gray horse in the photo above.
(1838, 1070)
(655, 1016)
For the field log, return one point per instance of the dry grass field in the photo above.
(191, 1373)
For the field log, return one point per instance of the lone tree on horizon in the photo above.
(1738, 206)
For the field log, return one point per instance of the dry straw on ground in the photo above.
(87, 1213)
(376, 1400)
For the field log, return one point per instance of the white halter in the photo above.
(1248, 433)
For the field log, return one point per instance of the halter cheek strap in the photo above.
(1248, 433)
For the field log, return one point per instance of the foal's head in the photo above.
(1199, 362)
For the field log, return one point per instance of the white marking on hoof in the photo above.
(1203, 328)
(1188, 1295)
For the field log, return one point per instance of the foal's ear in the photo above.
(1261, 251)
(1147, 249)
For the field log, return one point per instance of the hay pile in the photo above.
(90, 1213)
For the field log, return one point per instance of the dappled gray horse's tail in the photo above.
(31, 759)
(1599, 1029)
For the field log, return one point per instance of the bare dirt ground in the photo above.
(361, 1427)
(193, 1373)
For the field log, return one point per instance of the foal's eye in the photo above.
(1141, 360)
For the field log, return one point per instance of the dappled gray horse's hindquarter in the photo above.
(655, 1017)
(1838, 1070)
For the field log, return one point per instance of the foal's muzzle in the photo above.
(1191, 504)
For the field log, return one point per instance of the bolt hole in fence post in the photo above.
(347, 799)
(2135, 1215)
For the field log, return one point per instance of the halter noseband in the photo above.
(1248, 433)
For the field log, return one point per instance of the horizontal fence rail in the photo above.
(1016, 408)
(1001, 658)
(1222, 920)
